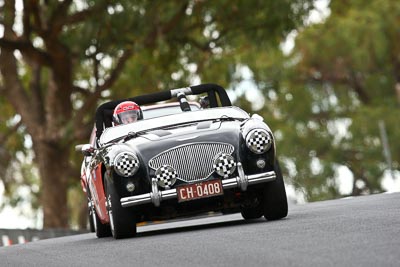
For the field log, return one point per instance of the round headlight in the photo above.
(126, 164)
(259, 141)
(224, 165)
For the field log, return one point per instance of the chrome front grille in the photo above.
(192, 162)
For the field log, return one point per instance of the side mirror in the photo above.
(78, 148)
(86, 149)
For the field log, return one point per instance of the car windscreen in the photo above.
(117, 132)
(165, 110)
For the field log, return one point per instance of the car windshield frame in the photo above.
(116, 133)
(155, 111)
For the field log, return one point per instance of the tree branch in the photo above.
(351, 79)
(167, 27)
(204, 47)
(117, 70)
(1, 12)
(84, 14)
(13, 87)
(32, 6)
(9, 132)
(81, 133)
(15, 93)
(59, 17)
(175, 19)
(26, 21)
(27, 49)
(37, 97)
(81, 90)
(358, 88)
(91, 100)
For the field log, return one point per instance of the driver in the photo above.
(127, 112)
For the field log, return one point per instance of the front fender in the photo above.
(96, 187)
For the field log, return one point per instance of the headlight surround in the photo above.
(126, 164)
(259, 141)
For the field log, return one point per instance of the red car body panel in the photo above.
(98, 195)
(94, 182)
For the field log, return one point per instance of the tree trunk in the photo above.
(52, 160)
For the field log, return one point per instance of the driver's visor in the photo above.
(128, 116)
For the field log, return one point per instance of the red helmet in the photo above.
(127, 112)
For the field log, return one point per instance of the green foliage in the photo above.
(330, 95)
(116, 49)
(12, 138)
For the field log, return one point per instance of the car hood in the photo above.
(155, 142)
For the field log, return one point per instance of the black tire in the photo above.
(102, 230)
(122, 220)
(95, 225)
(252, 212)
(252, 207)
(274, 199)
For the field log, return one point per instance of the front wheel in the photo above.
(252, 208)
(122, 220)
(90, 211)
(102, 230)
(251, 213)
(275, 200)
(95, 224)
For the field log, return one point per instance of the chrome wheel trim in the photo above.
(94, 219)
(110, 215)
(92, 213)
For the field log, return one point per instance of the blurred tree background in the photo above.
(336, 98)
(328, 100)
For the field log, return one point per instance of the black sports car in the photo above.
(182, 159)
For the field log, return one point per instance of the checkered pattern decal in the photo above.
(126, 164)
(259, 141)
(224, 165)
(166, 176)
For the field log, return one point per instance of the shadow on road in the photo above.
(173, 228)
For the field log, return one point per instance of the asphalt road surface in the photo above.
(362, 231)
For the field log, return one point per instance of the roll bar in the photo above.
(103, 116)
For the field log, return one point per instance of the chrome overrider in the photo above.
(156, 196)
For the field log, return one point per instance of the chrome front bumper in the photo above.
(156, 196)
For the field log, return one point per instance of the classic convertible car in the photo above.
(181, 159)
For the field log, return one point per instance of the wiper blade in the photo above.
(130, 135)
(125, 138)
(226, 118)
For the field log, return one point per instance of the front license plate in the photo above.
(200, 190)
